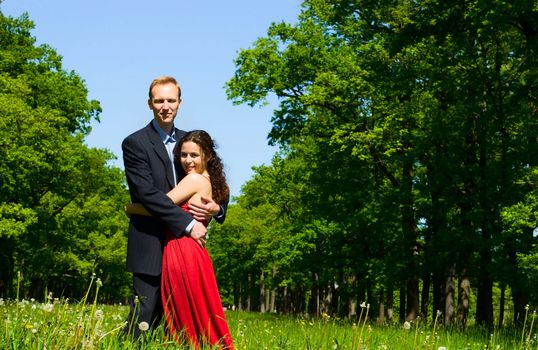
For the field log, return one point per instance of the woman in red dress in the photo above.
(191, 301)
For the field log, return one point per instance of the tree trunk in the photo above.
(484, 298)
(248, 300)
(390, 305)
(327, 297)
(6, 268)
(449, 295)
(425, 296)
(410, 239)
(464, 295)
(352, 296)
(412, 298)
(438, 303)
(520, 294)
(285, 304)
(262, 293)
(521, 300)
(502, 305)
(402, 304)
(316, 294)
(381, 314)
(272, 303)
(238, 299)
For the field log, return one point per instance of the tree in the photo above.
(436, 100)
(60, 201)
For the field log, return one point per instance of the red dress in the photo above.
(191, 301)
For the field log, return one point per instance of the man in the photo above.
(148, 156)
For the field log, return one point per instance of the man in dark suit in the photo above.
(151, 172)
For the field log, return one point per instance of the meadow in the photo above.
(85, 324)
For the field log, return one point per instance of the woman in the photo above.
(191, 301)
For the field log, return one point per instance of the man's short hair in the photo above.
(164, 79)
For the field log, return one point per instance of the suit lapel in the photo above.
(161, 152)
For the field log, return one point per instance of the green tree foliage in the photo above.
(60, 202)
(414, 126)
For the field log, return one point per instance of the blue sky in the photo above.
(118, 47)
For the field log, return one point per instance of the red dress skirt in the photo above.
(191, 301)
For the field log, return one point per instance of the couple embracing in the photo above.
(177, 184)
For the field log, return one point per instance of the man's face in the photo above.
(164, 103)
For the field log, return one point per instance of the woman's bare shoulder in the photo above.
(199, 180)
(196, 177)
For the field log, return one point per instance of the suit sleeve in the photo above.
(141, 183)
(222, 215)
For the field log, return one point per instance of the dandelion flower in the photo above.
(143, 326)
(99, 314)
(407, 325)
(48, 307)
(363, 304)
(99, 283)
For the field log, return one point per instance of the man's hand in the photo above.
(198, 233)
(204, 210)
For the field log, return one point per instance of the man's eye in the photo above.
(158, 101)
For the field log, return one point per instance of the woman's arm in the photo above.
(135, 209)
(184, 190)
(190, 185)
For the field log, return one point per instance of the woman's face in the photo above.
(192, 158)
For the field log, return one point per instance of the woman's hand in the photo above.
(126, 210)
(135, 209)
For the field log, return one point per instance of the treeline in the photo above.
(408, 172)
(406, 176)
(61, 203)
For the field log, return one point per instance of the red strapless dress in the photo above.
(191, 301)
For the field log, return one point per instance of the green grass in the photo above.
(85, 324)
(63, 325)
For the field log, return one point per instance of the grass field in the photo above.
(85, 324)
(61, 325)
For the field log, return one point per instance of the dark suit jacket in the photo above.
(149, 176)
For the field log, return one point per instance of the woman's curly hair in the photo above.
(215, 168)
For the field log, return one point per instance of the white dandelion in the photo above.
(143, 326)
(99, 314)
